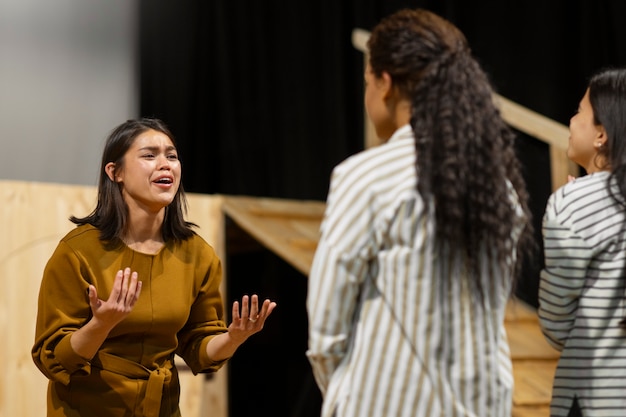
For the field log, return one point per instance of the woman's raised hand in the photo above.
(124, 295)
(250, 319)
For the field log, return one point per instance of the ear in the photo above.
(385, 85)
(601, 138)
(110, 171)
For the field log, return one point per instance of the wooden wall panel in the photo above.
(33, 218)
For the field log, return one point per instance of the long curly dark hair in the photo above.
(465, 152)
(111, 213)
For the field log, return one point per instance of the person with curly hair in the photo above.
(582, 293)
(422, 238)
(131, 286)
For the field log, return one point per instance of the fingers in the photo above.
(126, 288)
(117, 287)
(245, 308)
(134, 289)
(250, 312)
(268, 307)
(235, 312)
(92, 294)
(138, 291)
(250, 308)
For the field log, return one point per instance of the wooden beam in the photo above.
(515, 115)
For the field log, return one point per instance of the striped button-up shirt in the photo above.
(581, 296)
(393, 327)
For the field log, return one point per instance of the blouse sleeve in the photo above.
(63, 307)
(339, 267)
(567, 257)
(206, 317)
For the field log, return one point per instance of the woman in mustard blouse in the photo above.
(131, 286)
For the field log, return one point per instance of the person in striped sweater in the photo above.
(420, 239)
(582, 291)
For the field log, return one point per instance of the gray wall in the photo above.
(67, 77)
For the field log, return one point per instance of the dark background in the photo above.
(265, 97)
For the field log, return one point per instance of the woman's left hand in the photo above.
(250, 319)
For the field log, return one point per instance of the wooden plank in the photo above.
(203, 395)
(524, 332)
(518, 310)
(34, 218)
(533, 124)
(561, 167)
(521, 118)
(289, 228)
(533, 382)
(534, 361)
(541, 411)
(515, 115)
(527, 341)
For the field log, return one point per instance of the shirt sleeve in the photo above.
(567, 257)
(63, 307)
(339, 267)
(206, 317)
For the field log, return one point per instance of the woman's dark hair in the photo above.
(465, 151)
(111, 213)
(607, 96)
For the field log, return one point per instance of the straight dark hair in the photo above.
(607, 95)
(110, 216)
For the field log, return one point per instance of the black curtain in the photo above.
(265, 97)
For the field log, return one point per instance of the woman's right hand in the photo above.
(124, 295)
(106, 313)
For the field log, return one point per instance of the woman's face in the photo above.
(150, 175)
(585, 136)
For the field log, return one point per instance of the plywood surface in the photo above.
(34, 217)
(289, 228)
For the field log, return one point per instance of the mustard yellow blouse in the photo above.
(180, 308)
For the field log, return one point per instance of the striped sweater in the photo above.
(390, 334)
(581, 296)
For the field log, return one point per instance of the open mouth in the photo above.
(164, 181)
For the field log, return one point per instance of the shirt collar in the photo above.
(403, 132)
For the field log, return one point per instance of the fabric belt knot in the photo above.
(154, 391)
(157, 378)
